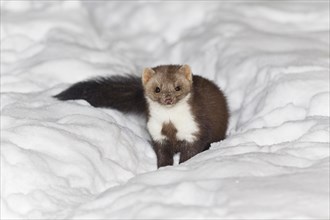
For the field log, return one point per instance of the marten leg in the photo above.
(188, 150)
(164, 153)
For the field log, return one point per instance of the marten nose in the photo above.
(168, 99)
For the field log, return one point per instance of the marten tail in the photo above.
(123, 93)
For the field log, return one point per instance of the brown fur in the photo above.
(210, 109)
(169, 131)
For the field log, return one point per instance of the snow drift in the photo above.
(68, 160)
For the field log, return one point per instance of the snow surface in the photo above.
(68, 160)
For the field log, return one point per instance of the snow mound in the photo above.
(68, 160)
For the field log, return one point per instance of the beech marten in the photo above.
(185, 113)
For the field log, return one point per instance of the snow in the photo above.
(68, 160)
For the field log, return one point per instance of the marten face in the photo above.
(167, 85)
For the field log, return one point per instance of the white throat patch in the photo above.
(179, 115)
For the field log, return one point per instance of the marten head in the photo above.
(167, 84)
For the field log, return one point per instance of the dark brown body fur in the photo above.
(209, 107)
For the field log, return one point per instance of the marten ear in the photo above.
(186, 70)
(147, 74)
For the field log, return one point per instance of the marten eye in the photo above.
(157, 90)
(178, 88)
